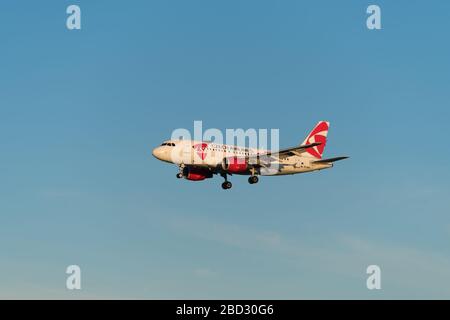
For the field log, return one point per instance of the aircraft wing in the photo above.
(284, 153)
(265, 159)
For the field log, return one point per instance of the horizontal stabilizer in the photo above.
(330, 160)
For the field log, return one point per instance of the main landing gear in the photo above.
(227, 184)
(253, 179)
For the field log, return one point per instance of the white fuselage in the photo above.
(211, 155)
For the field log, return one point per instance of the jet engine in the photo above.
(235, 165)
(196, 174)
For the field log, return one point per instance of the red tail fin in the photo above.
(318, 134)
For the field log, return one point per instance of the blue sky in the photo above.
(81, 110)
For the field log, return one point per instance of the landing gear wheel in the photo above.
(253, 179)
(226, 185)
(179, 175)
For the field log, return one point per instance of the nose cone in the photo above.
(158, 153)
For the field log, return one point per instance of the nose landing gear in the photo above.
(180, 174)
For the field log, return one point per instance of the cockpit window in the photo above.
(169, 144)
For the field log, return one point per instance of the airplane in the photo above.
(200, 160)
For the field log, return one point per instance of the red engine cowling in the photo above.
(196, 174)
(235, 165)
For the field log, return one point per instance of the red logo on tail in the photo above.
(319, 134)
